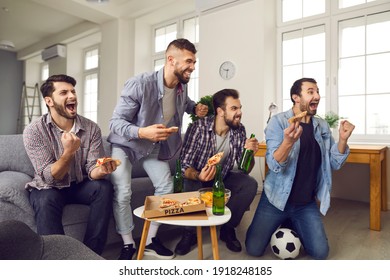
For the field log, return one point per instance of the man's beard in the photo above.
(231, 124)
(181, 78)
(62, 112)
(309, 112)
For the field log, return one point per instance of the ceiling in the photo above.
(26, 22)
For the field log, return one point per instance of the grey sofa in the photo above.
(16, 170)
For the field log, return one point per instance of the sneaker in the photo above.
(158, 250)
(127, 252)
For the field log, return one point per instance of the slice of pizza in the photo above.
(104, 160)
(173, 129)
(215, 159)
(167, 202)
(297, 118)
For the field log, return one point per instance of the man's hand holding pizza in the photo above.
(156, 132)
(104, 166)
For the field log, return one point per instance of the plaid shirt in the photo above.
(200, 144)
(42, 140)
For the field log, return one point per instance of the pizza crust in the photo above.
(297, 118)
(104, 160)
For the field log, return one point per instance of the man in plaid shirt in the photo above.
(206, 137)
(63, 148)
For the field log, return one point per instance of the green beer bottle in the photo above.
(246, 159)
(178, 178)
(218, 193)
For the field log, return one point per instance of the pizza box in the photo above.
(152, 205)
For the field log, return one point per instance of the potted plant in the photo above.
(332, 119)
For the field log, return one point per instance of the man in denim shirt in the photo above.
(300, 156)
(145, 127)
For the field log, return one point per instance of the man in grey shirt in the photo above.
(146, 127)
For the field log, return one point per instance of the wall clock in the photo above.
(227, 70)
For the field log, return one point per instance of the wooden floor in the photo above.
(346, 224)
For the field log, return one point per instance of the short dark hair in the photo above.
(219, 98)
(297, 87)
(47, 88)
(182, 44)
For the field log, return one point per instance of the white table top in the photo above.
(211, 221)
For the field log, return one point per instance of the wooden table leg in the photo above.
(375, 193)
(214, 242)
(384, 182)
(142, 243)
(200, 242)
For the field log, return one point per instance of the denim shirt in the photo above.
(280, 177)
(140, 105)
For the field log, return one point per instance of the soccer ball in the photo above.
(285, 244)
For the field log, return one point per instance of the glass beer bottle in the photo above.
(246, 159)
(178, 178)
(218, 193)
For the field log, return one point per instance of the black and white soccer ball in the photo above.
(285, 244)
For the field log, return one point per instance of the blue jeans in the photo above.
(306, 221)
(158, 172)
(48, 205)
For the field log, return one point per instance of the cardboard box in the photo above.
(152, 205)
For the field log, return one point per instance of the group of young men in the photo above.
(64, 147)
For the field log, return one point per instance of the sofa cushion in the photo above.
(13, 155)
(12, 189)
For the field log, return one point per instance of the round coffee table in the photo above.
(211, 222)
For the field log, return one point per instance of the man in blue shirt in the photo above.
(145, 127)
(300, 157)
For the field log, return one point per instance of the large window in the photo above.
(91, 82)
(346, 49)
(187, 27)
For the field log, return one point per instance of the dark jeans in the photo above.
(243, 188)
(48, 205)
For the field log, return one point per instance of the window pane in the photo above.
(317, 72)
(297, 9)
(91, 59)
(347, 110)
(158, 64)
(314, 44)
(378, 114)
(292, 47)
(313, 7)
(291, 9)
(378, 73)
(350, 3)
(352, 37)
(191, 29)
(378, 30)
(290, 75)
(90, 96)
(303, 54)
(352, 76)
(163, 36)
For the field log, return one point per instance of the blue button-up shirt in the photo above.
(140, 105)
(280, 177)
